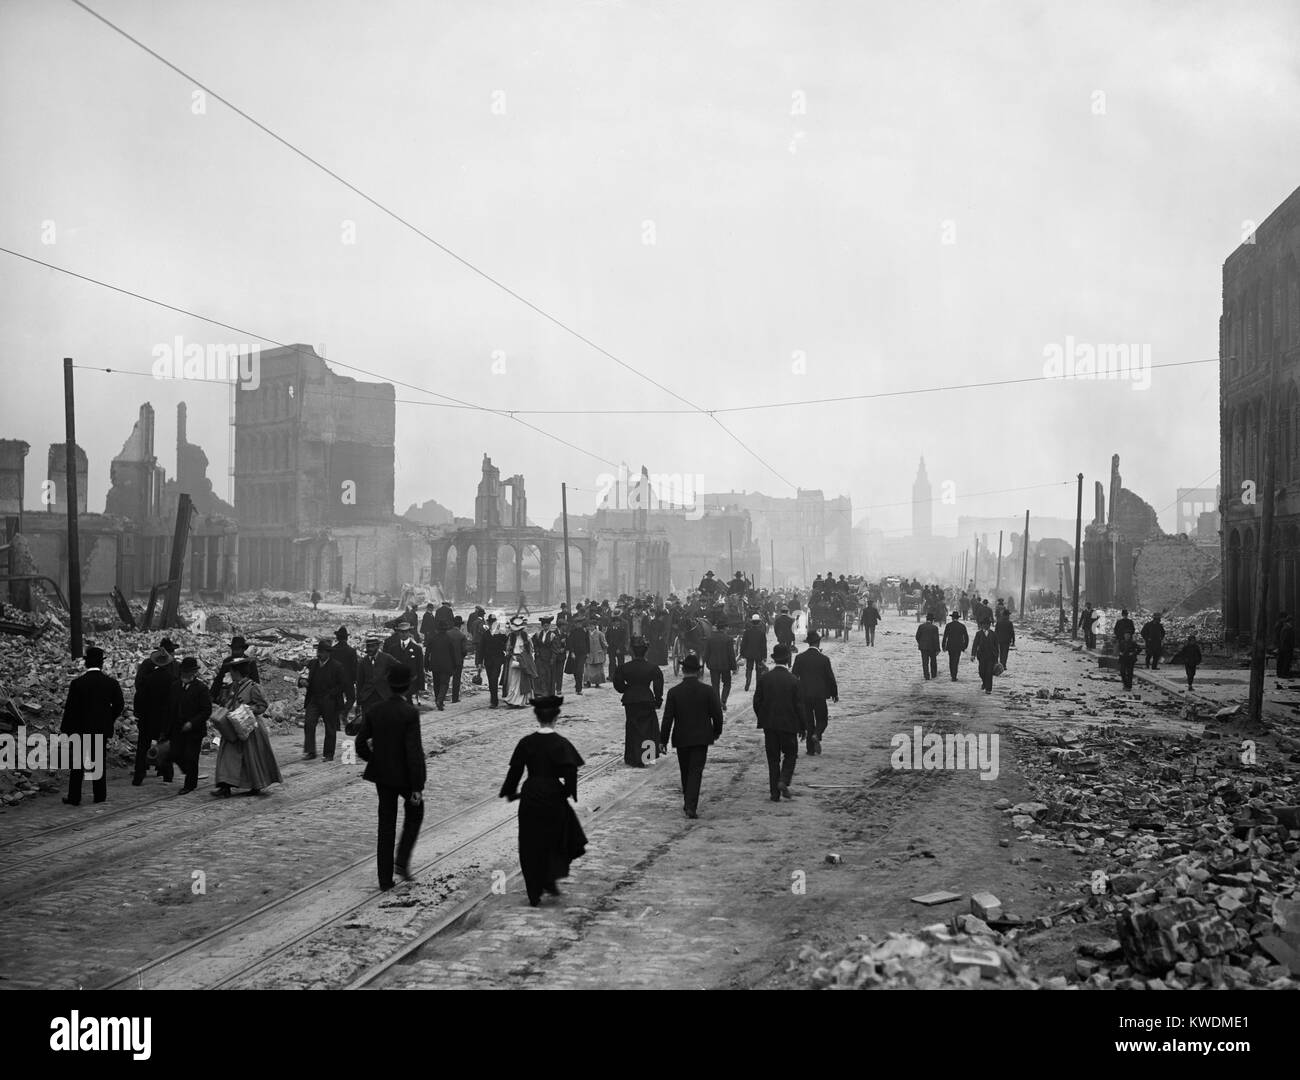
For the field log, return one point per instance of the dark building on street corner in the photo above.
(1259, 369)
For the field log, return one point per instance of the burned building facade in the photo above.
(314, 474)
(128, 546)
(1259, 403)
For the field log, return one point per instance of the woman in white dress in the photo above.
(519, 671)
(594, 674)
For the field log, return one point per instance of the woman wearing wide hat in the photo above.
(550, 836)
(520, 670)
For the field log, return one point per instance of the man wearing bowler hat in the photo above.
(389, 742)
(781, 718)
(326, 692)
(187, 722)
(692, 722)
(955, 640)
(812, 668)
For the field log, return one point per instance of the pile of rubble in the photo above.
(1194, 851)
(963, 953)
(35, 669)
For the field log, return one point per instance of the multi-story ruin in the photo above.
(1259, 380)
(128, 546)
(314, 473)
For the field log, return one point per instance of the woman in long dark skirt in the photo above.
(550, 836)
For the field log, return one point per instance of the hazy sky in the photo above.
(802, 164)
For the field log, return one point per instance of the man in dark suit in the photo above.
(372, 675)
(187, 722)
(927, 640)
(389, 742)
(955, 639)
(440, 656)
(1123, 625)
(642, 685)
(984, 651)
(720, 659)
(94, 702)
(783, 628)
(492, 655)
(577, 645)
(812, 668)
(781, 718)
(692, 721)
(427, 623)
(753, 647)
(1153, 633)
(153, 692)
(326, 692)
(348, 660)
(411, 655)
(616, 643)
(870, 617)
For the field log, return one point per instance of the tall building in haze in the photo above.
(922, 507)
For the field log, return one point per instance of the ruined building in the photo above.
(314, 464)
(501, 556)
(1259, 382)
(129, 545)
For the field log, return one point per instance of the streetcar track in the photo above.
(325, 879)
(466, 908)
(322, 786)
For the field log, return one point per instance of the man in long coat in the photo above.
(440, 654)
(782, 721)
(812, 668)
(692, 722)
(389, 742)
(642, 685)
(577, 649)
(753, 647)
(984, 651)
(190, 707)
(94, 703)
(955, 640)
(720, 659)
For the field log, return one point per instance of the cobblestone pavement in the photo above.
(658, 901)
(95, 901)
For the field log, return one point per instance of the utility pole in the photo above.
(998, 583)
(975, 572)
(70, 483)
(564, 515)
(1078, 540)
(176, 571)
(731, 554)
(772, 558)
(1024, 566)
(1259, 659)
(1060, 594)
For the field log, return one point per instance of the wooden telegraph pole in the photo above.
(564, 516)
(998, 583)
(70, 485)
(1078, 540)
(772, 558)
(1024, 566)
(731, 555)
(975, 569)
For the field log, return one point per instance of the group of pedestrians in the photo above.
(990, 648)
